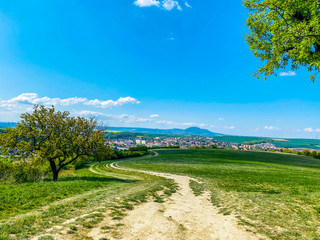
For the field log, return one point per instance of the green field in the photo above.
(277, 195)
(28, 209)
(287, 143)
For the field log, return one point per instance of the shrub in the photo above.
(314, 154)
(12, 171)
(305, 152)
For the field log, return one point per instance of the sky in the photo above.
(148, 63)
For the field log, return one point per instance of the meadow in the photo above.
(274, 194)
(28, 209)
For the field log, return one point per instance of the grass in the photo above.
(22, 198)
(276, 194)
(197, 188)
(28, 209)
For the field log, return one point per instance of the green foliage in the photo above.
(139, 148)
(284, 33)
(21, 171)
(314, 154)
(54, 137)
(305, 153)
(132, 152)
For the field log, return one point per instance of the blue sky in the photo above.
(148, 63)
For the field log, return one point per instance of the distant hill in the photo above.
(175, 131)
(280, 142)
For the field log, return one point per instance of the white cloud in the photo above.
(220, 119)
(32, 98)
(192, 124)
(170, 4)
(229, 127)
(119, 117)
(165, 122)
(165, 4)
(154, 116)
(146, 3)
(308, 130)
(89, 113)
(188, 5)
(110, 103)
(311, 130)
(271, 128)
(287, 74)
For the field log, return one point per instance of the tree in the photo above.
(284, 33)
(54, 137)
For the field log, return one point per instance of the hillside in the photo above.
(276, 195)
(176, 131)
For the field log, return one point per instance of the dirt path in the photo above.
(183, 216)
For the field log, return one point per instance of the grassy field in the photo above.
(287, 143)
(28, 209)
(275, 194)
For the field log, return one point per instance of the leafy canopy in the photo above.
(54, 137)
(284, 33)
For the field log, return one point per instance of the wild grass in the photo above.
(277, 194)
(197, 188)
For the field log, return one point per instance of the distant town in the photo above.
(184, 142)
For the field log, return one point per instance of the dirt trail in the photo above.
(183, 216)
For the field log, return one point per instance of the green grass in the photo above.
(22, 198)
(28, 209)
(276, 194)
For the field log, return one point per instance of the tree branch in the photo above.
(277, 11)
(71, 161)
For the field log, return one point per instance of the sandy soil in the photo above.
(183, 216)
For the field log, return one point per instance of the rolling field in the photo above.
(269, 194)
(30, 209)
(277, 195)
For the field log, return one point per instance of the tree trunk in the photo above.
(55, 176)
(54, 170)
